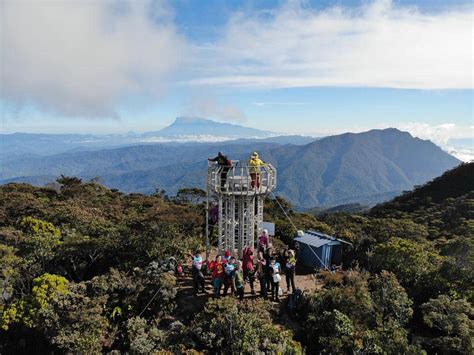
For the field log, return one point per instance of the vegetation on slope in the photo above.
(78, 266)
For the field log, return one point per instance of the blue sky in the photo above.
(307, 67)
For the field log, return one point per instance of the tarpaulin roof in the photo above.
(317, 239)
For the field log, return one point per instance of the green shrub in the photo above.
(241, 327)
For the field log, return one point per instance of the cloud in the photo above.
(87, 58)
(439, 134)
(82, 58)
(275, 103)
(379, 44)
(210, 108)
(465, 155)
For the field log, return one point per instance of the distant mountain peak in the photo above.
(198, 126)
(388, 131)
(190, 119)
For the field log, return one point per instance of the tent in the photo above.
(318, 250)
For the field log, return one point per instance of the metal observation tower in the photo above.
(237, 200)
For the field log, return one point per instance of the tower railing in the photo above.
(240, 179)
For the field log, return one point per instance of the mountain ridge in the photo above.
(367, 168)
(182, 130)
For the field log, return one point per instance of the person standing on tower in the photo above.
(255, 164)
(225, 164)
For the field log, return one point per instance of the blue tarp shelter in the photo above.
(319, 250)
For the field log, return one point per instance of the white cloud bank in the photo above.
(380, 44)
(446, 136)
(86, 58)
(439, 134)
(81, 58)
(204, 106)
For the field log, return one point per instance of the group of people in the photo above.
(228, 272)
(254, 165)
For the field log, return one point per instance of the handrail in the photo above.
(241, 179)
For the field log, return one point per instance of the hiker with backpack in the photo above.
(217, 269)
(275, 273)
(224, 164)
(249, 268)
(198, 276)
(290, 267)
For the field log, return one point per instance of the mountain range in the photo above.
(182, 130)
(364, 168)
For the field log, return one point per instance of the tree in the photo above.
(390, 298)
(333, 315)
(10, 271)
(75, 322)
(68, 181)
(192, 195)
(70, 186)
(241, 327)
(338, 334)
(144, 338)
(354, 313)
(412, 262)
(42, 239)
(453, 321)
(30, 309)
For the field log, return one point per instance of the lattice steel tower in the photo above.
(239, 203)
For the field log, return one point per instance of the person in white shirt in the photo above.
(198, 276)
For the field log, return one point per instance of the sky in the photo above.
(300, 67)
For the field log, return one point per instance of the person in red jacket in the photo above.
(248, 267)
(263, 241)
(217, 269)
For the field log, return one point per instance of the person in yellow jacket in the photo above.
(255, 164)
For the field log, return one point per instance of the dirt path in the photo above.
(190, 304)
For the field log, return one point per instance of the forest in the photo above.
(79, 264)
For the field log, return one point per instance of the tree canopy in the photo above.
(83, 269)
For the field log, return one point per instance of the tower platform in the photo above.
(239, 192)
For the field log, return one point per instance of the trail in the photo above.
(189, 304)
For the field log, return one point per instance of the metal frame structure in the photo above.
(240, 205)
